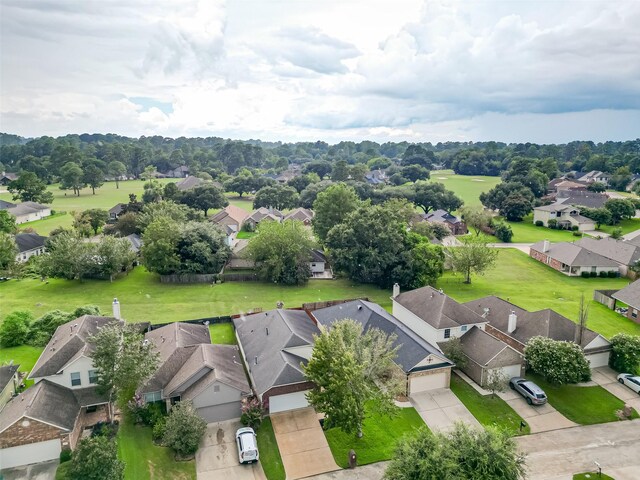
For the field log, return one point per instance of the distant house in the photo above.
(455, 224)
(572, 259)
(179, 172)
(116, 211)
(630, 295)
(136, 242)
(189, 182)
(566, 216)
(263, 214)
(303, 215)
(9, 381)
(231, 219)
(626, 254)
(582, 198)
(29, 244)
(569, 185)
(319, 265)
(6, 177)
(239, 259)
(594, 176)
(285, 176)
(376, 177)
(26, 211)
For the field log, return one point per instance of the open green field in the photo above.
(144, 298)
(628, 225)
(467, 187)
(535, 286)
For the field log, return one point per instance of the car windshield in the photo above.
(540, 395)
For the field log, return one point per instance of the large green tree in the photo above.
(117, 169)
(476, 218)
(433, 196)
(277, 196)
(94, 177)
(351, 369)
(29, 188)
(620, 209)
(331, 208)
(558, 362)
(7, 222)
(204, 198)
(72, 177)
(8, 251)
(14, 329)
(96, 458)
(474, 256)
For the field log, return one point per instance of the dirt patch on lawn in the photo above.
(477, 180)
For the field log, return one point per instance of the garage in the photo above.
(423, 383)
(289, 401)
(510, 371)
(30, 453)
(220, 413)
(598, 359)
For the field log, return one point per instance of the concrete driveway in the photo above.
(217, 457)
(606, 378)
(440, 409)
(541, 418)
(37, 471)
(303, 446)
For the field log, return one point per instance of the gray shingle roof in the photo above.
(266, 335)
(617, 250)
(68, 341)
(117, 208)
(25, 208)
(189, 183)
(441, 216)
(481, 347)
(45, 401)
(437, 309)
(582, 198)
(412, 349)
(6, 374)
(629, 295)
(301, 214)
(574, 255)
(29, 241)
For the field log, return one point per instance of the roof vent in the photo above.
(485, 313)
(359, 307)
(162, 337)
(266, 329)
(255, 360)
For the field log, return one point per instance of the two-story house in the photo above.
(565, 216)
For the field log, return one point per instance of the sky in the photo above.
(304, 70)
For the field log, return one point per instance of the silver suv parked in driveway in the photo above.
(531, 392)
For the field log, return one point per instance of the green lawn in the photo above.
(24, 355)
(627, 226)
(222, 333)
(245, 202)
(527, 232)
(488, 410)
(269, 452)
(592, 476)
(583, 405)
(467, 187)
(46, 225)
(380, 436)
(535, 286)
(144, 460)
(144, 298)
(245, 235)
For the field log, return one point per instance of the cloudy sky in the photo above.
(418, 70)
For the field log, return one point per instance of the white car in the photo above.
(247, 445)
(631, 381)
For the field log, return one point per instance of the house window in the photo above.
(216, 388)
(463, 328)
(152, 397)
(447, 333)
(93, 376)
(634, 313)
(75, 379)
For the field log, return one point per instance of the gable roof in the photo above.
(117, 208)
(237, 214)
(583, 198)
(4, 205)
(318, 256)
(555, 207)
(265, 336)
(69, 341)
(262, 213)
(437, 309)
(412, 349)
(301, 214)
(46, 402)
(25, 208)
(442, 216)
(481, 347)
(9, 175)
(574, 255)
(29, 241)
(189, 182)
(136, 242)
(6, 375)
(617, 250)
(546, 323)
(629, 295)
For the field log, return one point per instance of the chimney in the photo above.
(396, 290)
(545, 246)
(116, 308)
(513, 322)
(485, 312)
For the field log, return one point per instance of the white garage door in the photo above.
(428, 382)
(290, 401)
(510, 371)
(598, 359)
(31, 453)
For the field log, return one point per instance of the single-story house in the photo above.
(318, 263)
(455, 224)
(136, 242)
(376, 177)
(179, 172)
(45, 419)
(9, 382)
(626, 254)
(263, 214)
(515, 326)
(189, 182)
(630, 295)
(29, 244)
(423, 364)
(572, 259)
(231, 218)
(303, 215)
(116, 211)
(566, 216)
(582, 198)
(239, 259)
(26, 211)
(569, 185)
(594, 176)
(6, 177)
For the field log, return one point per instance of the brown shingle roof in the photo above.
(237, 214)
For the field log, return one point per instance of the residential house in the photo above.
(582, 198)
(26, 211)
(630, 295)
(626, 254)
(566, 216)
(422, 364)
(319, 265)
(516, 326)
(569, 185)
(6, 177)
(376, 177)
(45, 419)
(136, 242)
(455, 224)
(191, 368)
(9, 382)
(572, 259)
(263, 214)
(239, 259)
(594, 176)
(29, 244)
(231, 219)
(300, 214)
(189, 183)
(179, 172)
(115, 211)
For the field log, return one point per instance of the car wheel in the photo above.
(621, 380)
(512, 386)
(529, 401)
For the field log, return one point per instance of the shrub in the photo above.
(41, 331)
(65, 456)
(157, 434)
(585, 274)
(105, 429)
(251, 412)
(552, 223)
(625, 353)
(574, 228)
(453, 351)
(146, 413)
(14, 330)
(593, 274)
(577, 234)
(503, 232)
(559, 362)
(612, 274)
(539, 223)
(603, 274)
(96, 458)
(184, 430)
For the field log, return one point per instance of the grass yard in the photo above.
(222, 333)
(269, 453)
(583, 405)
(628, 225)
(535, 286)
(144, 298)
(527, 232)
(592, 476)
(488, 410)
(245, 235)
(24, 355)
(246, 203)
(380, 436)
(48, 224)
(467, 187)
(146, 461)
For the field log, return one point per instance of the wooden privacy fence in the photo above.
(604, 297)
(190, 278)
(329, 303)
